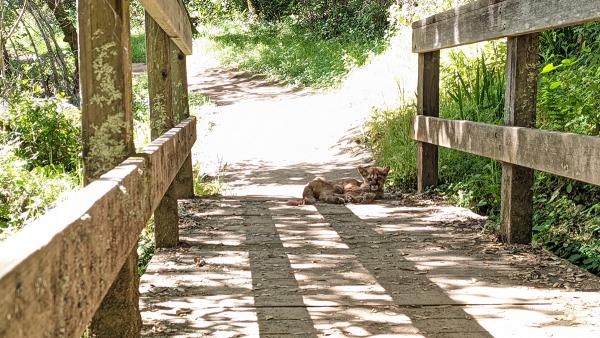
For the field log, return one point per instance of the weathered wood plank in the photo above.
(107, 117)
(166, 217)
(428, 104)
(184, 182)
(106, 93)
(55, 272)
(564, 154)
(493, 19)
(173, 19)
(520, 111)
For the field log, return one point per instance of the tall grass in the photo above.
(138, 47)
(286, 51)
(566, 213)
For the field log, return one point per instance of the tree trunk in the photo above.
(252, 9)
(2, 49)
(60, 10)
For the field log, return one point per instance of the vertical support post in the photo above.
(428, 104)
(166, 216)
(520, 110)
(107, 130)
(184, 184)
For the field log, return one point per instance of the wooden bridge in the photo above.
(252, 266)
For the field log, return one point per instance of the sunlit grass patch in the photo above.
(285, 51)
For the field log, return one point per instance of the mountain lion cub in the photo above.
(347, 190)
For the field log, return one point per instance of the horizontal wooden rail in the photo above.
(172, 17)
(492, 19)
(569, 155)
(55, 272)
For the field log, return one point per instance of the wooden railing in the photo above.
(519, 148)
(76, 266)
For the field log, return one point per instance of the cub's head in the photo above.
(374, 177)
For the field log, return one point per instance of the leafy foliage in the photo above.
(288, 51)
(389, 137)
(138, 47)
(46, 130)
(475, 86)
(566, 212)
(26, 194)
(329, 19)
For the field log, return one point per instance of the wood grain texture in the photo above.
(105, 77)
(107, 124)
(428, 104)
(162, 118)
(493, 19)
(55, 272)
(173, 19)
(184, 182)
(520, 110)
(564, 154)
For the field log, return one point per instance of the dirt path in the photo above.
(271, 138)
(268, 139)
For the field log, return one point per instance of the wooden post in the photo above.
(517, 182)
(107, 130)
(184, 185)
(428, 104)
(166, 216)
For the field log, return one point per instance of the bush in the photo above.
(566, 216)
(353, 17)
(473, 88)
(287, 51)
(39, 154)
(567, 219)
(389, 138)
(45, 130)
(26, 194)
(138, 47)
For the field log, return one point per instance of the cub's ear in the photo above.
(386, 170)
(363, 171)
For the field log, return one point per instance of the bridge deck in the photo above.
(251, 267)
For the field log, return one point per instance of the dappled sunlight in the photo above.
(257, 267)
(251, 265)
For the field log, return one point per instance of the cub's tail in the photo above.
(295, 202)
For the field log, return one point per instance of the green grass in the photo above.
(566, 216)
(288, 52)
(146, 247)
(138, 47)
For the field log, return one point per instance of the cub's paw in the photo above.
(349, 198)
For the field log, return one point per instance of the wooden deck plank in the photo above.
(357, 273)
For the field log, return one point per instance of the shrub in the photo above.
(388, 134)
(46, 130)
(287, 51)
(26, 194)
(566, 216)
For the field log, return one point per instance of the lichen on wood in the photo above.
(105, 74)
(104, 147)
